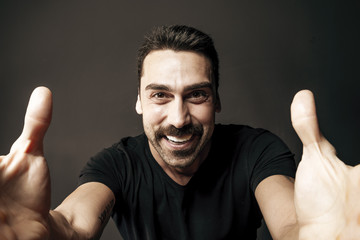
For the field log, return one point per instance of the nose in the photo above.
(178, 114)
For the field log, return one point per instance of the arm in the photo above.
(83, 214)
(275, 196)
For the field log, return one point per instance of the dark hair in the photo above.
(180, 38)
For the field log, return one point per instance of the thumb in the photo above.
(304, 119)
(37, 121)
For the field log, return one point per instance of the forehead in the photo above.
(168, 66)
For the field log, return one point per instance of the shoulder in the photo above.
(242, 135)
(130, 143)
(254, 142)
(126, 147)
(114, 163)
(234, 129)
(256, 150)
(240, 144)
(121, 156)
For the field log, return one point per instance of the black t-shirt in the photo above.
(217, 203)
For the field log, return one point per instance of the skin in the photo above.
(327, 192)
(176, 93)
(25, 188)
(323, 205)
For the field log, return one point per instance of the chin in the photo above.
(180, 163)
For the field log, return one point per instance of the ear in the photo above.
(138, 105)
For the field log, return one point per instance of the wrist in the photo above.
(60, 228)
(290, 232)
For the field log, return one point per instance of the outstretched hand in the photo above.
(24, 176)
(327, 192)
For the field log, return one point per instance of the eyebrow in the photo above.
(154, 86)
(199, 85)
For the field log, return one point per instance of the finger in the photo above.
(304, 119)
(37, 121)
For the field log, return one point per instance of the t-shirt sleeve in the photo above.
(104, 168)
(271, 157)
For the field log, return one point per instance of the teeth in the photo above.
(179, 139)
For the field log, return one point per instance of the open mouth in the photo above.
(179, 139)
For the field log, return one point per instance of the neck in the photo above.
(181, 176)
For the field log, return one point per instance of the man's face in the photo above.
(178, 105)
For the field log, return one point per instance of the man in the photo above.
(185, 177)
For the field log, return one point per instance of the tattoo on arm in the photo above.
(106, 213)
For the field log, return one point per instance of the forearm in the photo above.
(81, 215)
(61, 229)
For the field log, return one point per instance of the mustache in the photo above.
(177, 132)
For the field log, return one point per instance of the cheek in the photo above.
(154, 114)
(204, 114)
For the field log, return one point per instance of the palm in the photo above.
(24, 176)
(326, 190)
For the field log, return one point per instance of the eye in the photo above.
(198, 96)
(160, 97)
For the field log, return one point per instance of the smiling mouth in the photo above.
(179, 139)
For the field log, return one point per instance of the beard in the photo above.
(181, 158)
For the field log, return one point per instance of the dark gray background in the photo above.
(85, 52)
